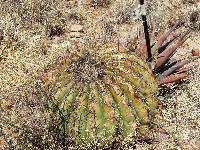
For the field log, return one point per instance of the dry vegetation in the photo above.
(36, 33)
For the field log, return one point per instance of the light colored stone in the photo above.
(5, 104)
(75, 34)
(76, 28)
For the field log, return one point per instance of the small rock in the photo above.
(76, 28)
(5, 104)
(196, 52)
(2, 143)
(75, 34)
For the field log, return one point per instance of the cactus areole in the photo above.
(104, 92)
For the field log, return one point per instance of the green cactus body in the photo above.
(102, 95)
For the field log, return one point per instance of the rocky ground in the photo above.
(34, 34)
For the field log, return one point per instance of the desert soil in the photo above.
(36, 33)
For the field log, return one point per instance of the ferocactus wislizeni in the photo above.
(107, 91)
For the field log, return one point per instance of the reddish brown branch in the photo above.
(173, 78)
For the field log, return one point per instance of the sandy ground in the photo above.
(29, 43)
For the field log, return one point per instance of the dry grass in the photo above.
(35, 33)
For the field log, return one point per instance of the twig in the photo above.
(146, 32)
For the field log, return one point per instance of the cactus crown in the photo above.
(86, 69)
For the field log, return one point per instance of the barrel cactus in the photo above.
(107, 91)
